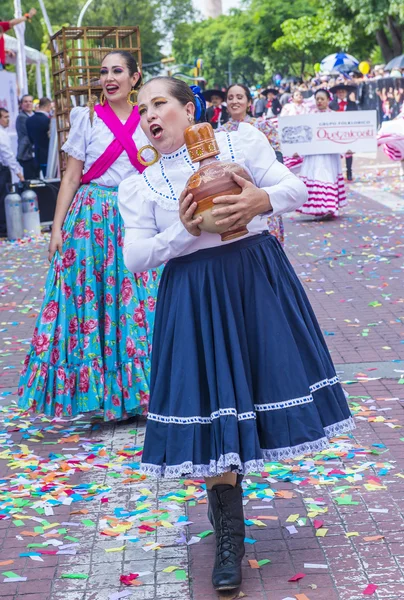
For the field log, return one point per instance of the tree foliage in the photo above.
(157, 20)
(253, 43)
(328, 33)
(240, 42)
(214, 41)
(270, 36)
(381, 19)
(33, 30)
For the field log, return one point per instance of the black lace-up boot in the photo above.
(228, 521)
(239, 481)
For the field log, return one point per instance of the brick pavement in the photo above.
(351, 563)
(346, 265)
(342, 257)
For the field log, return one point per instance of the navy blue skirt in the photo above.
(240, 370)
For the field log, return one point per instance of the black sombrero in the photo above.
(270, 91)
(342, 86)
(207, 94)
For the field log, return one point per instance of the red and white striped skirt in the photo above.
(322, 175)
(391, 138)
(293, 163)
(393, 146)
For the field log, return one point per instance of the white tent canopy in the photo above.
(32, 56)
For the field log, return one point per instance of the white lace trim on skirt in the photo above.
(232, 461)
(224, 412)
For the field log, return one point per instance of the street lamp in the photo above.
(79, 22)
(83, 12)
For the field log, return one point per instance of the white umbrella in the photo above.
(336, 61)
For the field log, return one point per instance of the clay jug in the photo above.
(213, 179)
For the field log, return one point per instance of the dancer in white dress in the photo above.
(322, 175)
(241, 373)
(391, 139)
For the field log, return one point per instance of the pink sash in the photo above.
(123, 141)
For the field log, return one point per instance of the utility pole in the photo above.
(79, 22)
(83, 12)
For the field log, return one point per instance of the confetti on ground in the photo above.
(297, 577)
(370, 589)
(61, 464)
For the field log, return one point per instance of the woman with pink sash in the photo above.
(91, 346)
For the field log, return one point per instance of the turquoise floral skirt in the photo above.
(92, 341)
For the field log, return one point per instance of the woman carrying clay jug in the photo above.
(240, 371)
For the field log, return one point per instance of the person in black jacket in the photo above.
(273, 105)
(341, 103)
(25, 153)
(216, 114)
(38, 131)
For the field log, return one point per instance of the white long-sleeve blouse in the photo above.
(7, 156)
(150, 209)
(87, 141)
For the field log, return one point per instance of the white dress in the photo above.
(149, 204)
(322, 175)
(292, 109)
(92, 342)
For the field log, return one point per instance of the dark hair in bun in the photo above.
(324, 91)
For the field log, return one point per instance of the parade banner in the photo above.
(328, 133)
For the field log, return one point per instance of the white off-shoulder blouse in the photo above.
(87, 141)
(149, 204)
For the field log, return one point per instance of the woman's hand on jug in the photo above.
(239, 209)
(187, 210)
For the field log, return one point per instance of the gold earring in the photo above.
(130, 101)
(102, 99)
(146, 163)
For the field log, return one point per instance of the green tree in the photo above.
(328, 34)
(381, 19)
(241, 41)
(267, 36)
(222, 46)
(156, 20)
(33, 30)
(266, 18)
